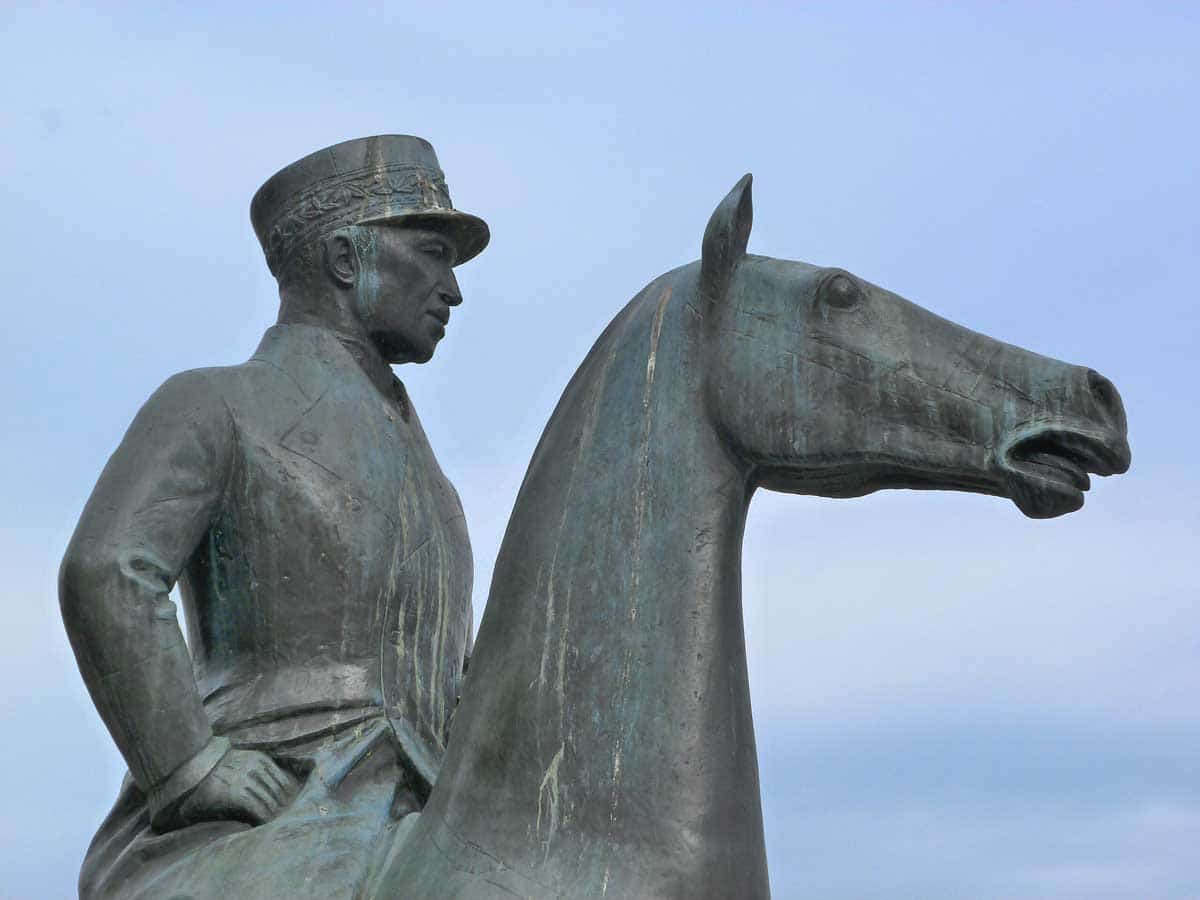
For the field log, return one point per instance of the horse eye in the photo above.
(840, 291)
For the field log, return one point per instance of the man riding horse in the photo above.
(321, 555)
(604, 746)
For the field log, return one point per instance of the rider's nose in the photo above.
(450, 298)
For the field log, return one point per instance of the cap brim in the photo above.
(468, 233)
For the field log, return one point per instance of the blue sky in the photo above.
(951, 701)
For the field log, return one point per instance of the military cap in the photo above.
(386, 178)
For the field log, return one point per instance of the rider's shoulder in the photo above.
(205, 392)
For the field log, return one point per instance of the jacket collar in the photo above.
(343, 425)
(309, 353)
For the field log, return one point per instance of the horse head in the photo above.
(827, 384)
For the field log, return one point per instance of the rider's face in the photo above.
(406, 292)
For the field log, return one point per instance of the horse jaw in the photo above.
(1046, 468)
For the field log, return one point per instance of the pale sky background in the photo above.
(952, 701)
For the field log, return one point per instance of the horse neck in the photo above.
(607, 715)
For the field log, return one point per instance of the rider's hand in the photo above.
(245, 785)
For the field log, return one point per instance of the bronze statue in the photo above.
(322, 557)
(604, 744)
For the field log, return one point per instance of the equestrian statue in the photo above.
(328, 730)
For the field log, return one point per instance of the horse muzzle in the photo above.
(1045, 463)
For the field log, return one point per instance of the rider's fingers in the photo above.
(287, 782)
(290, 781)
(262, 805)
(262, 778)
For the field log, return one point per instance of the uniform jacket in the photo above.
(321, 554)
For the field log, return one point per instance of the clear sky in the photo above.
(952, 701)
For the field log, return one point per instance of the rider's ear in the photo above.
(341, 261)
(725, 239)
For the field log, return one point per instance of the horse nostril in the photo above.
(1106, 397)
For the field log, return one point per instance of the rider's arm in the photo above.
(151, 507)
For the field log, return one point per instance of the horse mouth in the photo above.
(1047, 471)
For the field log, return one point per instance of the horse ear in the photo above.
(725, 239)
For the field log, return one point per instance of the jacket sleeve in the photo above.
(153, 504)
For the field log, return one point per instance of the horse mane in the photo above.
(625, 339)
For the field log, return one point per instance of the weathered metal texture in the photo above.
(326, 580)
(321, 554)
(605, 745)
(391, 178)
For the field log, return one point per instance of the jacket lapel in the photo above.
(347, 428)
